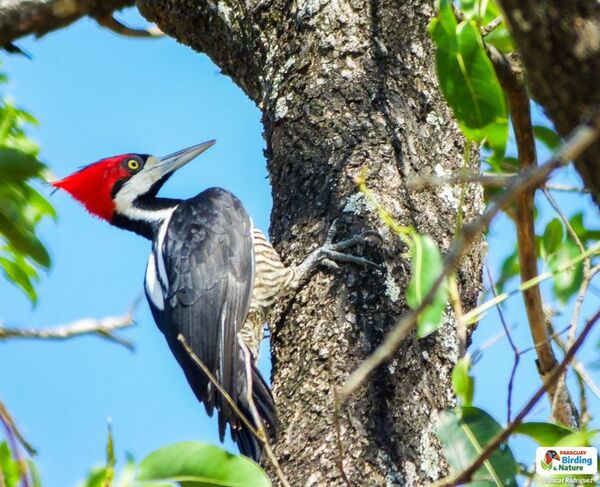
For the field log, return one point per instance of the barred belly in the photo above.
(271, 278)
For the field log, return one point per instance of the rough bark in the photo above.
(560, 45)
(19, 18)
(346, 85)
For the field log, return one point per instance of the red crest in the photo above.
(93, 185)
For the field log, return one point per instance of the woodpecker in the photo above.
(211, 276)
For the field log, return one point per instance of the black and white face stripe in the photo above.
(136, 206)
(129, 196)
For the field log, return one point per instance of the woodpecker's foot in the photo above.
(330, 254)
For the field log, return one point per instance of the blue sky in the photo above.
(97, 94)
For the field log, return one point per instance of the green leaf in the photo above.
(509, 268)
(482, 11)
(547, 136)
(465, 435)
(23, 240)
(567, 282)
(110, 457)
(201, 465)
(7, 122)
(17, 165)
(34, 474)
(37, 206)
(25, 266)
(468, 80)
(19, 277)
(584, 234)
(95, 478)
(579, 438)
(462, 381)
(9, 467)
(26, 117)
(24, 144)
(21, 206)
(500, 38)
(426, 266)
(545, 434)
(495, 134)
(553, 236)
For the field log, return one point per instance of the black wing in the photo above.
(209, 265)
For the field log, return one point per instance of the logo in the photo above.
(549, 458)
(559, 460)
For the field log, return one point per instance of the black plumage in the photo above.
(211, 277)
(208, 261)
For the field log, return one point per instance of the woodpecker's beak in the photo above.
(172, 162)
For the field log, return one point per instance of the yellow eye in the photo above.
(133, 164)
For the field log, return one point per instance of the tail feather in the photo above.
(248, 444)
(208, 394)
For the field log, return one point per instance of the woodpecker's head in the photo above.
(122, 189)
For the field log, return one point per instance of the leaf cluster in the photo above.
(22, 207)
(462, 33)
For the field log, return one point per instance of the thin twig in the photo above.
(587, 265)
(14, 439)
(466, 475)
(461, 326)
(489, 179)
(475, 313)
(496, 180)
(587, 276)
(489, 343)
(566, 188)
(258, 431)
(339, 311)
(554, 336)
(258, 420)
(487, 29)
(111, 23)
(516, 353)
(578, 141)
(338, 437)
(7, 419)
(579, 368)
(219, 387)
(103, 327)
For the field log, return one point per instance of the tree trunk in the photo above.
(560, 46)
(347, 86)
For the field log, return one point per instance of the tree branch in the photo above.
(511, 80)
(466, 475)
(489, 179)
(111, 23)
(581, 138)
(104, 327)
(10, 426)
(558, 43)
(19, 18)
